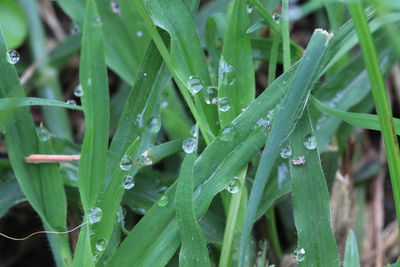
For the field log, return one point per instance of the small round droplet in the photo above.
(115, 7)
(194, 131)
(286, 152)
(310, 142)
(75, 29)
(189, 145)
(78, 92)
(101, 244)
(144, 160)
(43, 134)
(154, 124)
(249, 9)
(126, 163)
(71, 102)
(276, 17)
(163, 201)
(12, 56)
(226, 73)
(97, 22)
(145, 74)
(299, 254)
(164, 104)
(129, 182)
(139, 34)
(195, 84)
(234, 185)
(223, 104)
(121, 215)
(211, 95)
(228, 134)
(96, 256)
(94, 215)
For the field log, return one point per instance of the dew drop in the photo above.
(163, 201)
(189, 145)
(12, 56)
(299, 254)
(194, 131)
(144, 160)
(139, 120)
(310, 142)
(233, 185)
(121, 215)
(265, 122)
(96, 256)
(249, 9)
(75, 29)
(78, 92)
(71, 102)
(94, 215)
(286, 152)
(139, 34)
(195, 84)
(97, 22)
(276, 17)
(228, 134)
(43, 134)
(126, 163)
(164, 104)
(115, 7)
(223, 104)
(154, 124)
(226, 73)
(101, 244)
(129, 182)
(211, 95)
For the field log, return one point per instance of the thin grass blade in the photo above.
(351, 258)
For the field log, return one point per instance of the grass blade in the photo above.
(95, 102)
(380, 98)
(15, 102)
(351, 258)
(316, 243)
(11, 195)
(304, 79)
(194, 250)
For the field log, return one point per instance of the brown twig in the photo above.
(40, 158)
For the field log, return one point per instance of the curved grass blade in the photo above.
(351, 258)
(10, 195)
(95, 102)
(310, 196)
(236, 83)
(304, 78)
(16, 102)
(194, 247)
(362, 120)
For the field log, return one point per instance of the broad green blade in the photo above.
(292, 105)
(95, 102)
(14, 102)
(236, 83)
(83, 256)
(362, 120)
(351, 258)
(194, 250)
(316, 244)
(10, 195)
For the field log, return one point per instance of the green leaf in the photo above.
(83, 252)
(13, 22)
(310, 199)
(95, 102)
(10, 196)
(293, 103)
(15, 102)
(194, 247)
(351, 258)
(236, 84)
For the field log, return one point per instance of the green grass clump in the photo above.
(210, 133)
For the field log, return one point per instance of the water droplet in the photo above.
(195, 84)
(154, 124)
(101, 244)
(228, 134)
(310, 142)
(145, 74)
(97, 22)
(71, 102)
(163, 201)
(226, 73)
(115, 7)
(43, 134)
(249, 9)
(164, 104)
(126, 163)
(234, 185)
(121, 215)
(129, 182)
(139, 34)
(189, 145)
(139, 120)
(223, 104)
(94, 215)
(286, 152)
(78, 92)
(144, 160)
(96, 256)
(276, 17)
(299, 254)
(12, 56)
(299, 161)
(211, 95)
(194, 131)
(75, 29)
